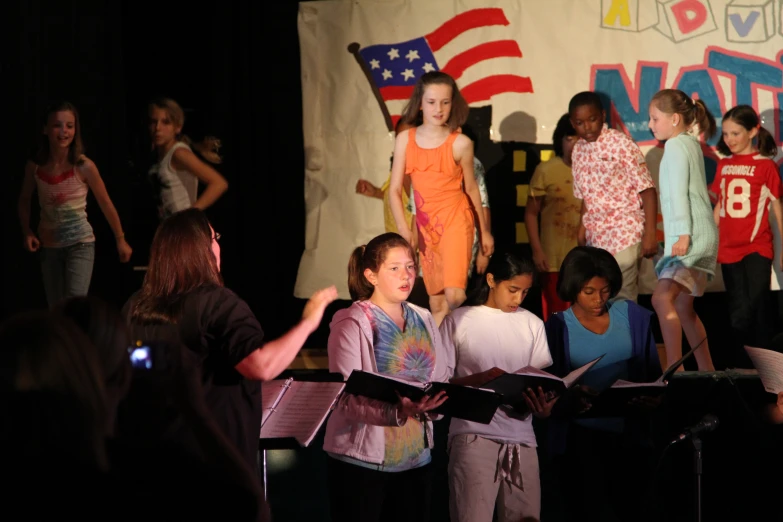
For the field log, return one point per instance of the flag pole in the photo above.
(353, 48)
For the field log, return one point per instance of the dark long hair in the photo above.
(76, 149)
(181, 260)
(746, 117)
(371, 256)
(503, 266)
(459, 107)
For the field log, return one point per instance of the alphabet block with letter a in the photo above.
(629, 15)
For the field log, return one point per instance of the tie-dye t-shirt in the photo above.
(408, 354)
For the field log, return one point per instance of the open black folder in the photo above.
(512, 386)
(614, 401)
(464, 402)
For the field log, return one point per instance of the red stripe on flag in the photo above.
(485, 51)
(485, 88)
(396, 93)
(395, 118)
(464, 22)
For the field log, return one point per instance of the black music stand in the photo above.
(273, 444)
(290, 442)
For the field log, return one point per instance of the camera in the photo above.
(141, 356)
(145, 355)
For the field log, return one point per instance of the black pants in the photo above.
(358, 494)
(747, 288)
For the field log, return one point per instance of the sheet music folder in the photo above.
(513, 385)
(295, 410)
(614, 401)
(769, 365)
(464, 402)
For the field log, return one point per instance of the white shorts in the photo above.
(692, 279)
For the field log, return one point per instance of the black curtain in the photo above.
(55, 51)
(110, 59)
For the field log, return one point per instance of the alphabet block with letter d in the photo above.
(685, 19)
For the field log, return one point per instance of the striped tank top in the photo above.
(63, 201)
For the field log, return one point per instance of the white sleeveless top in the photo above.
(178, 188)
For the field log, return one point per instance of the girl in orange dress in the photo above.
(439, 160)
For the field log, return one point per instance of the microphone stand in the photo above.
(697, 470)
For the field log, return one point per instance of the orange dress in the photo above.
(444, 215)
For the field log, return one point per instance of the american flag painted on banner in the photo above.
(393, 69)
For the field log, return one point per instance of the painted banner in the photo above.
(517, 64)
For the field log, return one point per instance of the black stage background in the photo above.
(110, 58)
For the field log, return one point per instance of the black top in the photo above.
(221, 330)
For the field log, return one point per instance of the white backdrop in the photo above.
(529, 56)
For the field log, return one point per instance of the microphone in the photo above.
(708, 423)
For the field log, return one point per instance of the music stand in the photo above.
(273, 444)
(290, 442)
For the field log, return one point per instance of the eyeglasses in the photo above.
(216, 237)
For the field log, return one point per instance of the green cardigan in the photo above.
(686, 207)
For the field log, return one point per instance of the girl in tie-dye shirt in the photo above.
(63, 176)
(380, 452)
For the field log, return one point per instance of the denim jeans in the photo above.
(67, 271)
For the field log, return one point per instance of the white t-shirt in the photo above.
(485, 337)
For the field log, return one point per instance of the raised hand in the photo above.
(314, 309)
(365, 188)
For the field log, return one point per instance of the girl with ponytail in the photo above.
(379, 465)
(747, 183)
(691, 245)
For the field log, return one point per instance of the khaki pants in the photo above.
(629, 260)
(477, 481)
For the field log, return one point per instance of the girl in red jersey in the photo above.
(747, 183)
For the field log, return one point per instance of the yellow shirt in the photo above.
(388, 217)
(559, 219)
